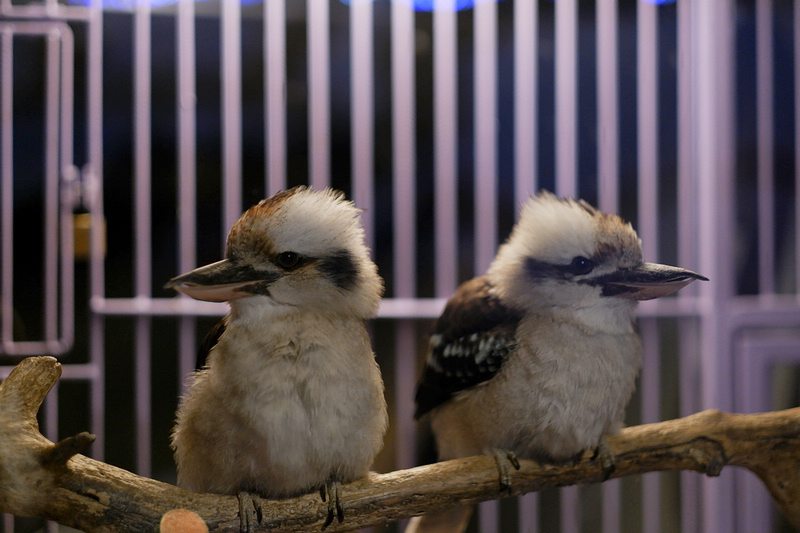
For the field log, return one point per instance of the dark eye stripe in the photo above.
(340, 268)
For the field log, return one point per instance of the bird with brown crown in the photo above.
(290, 399)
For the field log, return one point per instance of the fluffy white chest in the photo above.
(277, 410)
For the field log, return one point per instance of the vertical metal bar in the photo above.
(687, 186)
(647, 125)
(687, 249)
(713, 87)
(766, 144)
(651, 392)
(51, 172)
(566, 97)
(570, 510)
(231, 111)
(526, 57)
(647, 133)
(529, 512)
(445, 149)
(489, 516)
(608, 172)
(319, 82)
(187, 185)
(607, 107)
(404, 161)
(7, 192)
(566, 160)
(647, 160)
(485, 148)
(361, 109)
(797, 147)
(68, 175)
(142, 225)
(485, 137)
(275, 93)
(92, 177)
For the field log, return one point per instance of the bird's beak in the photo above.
(646, 281)
(223, 281)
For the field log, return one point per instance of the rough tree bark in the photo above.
(53, 481)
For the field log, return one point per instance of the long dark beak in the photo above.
(646, 281)
(223, 281)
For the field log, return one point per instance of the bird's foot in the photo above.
(606, 456)
(249, 511)
(503, 458)
(332, 489)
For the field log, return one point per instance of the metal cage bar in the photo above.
(319, 127)
(404, 218)
(445, 145)
(275, 94)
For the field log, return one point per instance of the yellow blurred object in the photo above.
(82, 232)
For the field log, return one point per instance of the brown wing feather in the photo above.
(469, 344)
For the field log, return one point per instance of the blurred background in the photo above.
(133, 134)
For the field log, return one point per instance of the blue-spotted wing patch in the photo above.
(470, 342)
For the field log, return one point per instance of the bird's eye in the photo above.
(288, 259)
(581, 265)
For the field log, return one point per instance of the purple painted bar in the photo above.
(489, 516)
(92, 180)
(765, 124)
(142, 149)
(186, 106)
(647, 126)
(51, 188)
(687, 249)
(319, 105)
(275, 94)
(231, 72)
(67, 201)
(7, 190)
(570, 509)
(713, 91)
(566, 96)
(607, 107)
(362, 146)
(526, 59)
(142, 228)
(485, 140)
(647, 61)
(607, 69)
(566, 163)
(445, 149)
(650, 385)
(404, 222)
(796, 32)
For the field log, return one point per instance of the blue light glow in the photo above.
(427, 5)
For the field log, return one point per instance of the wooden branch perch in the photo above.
(39, 478)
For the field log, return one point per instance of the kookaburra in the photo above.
(539, 357)
(290, 399)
